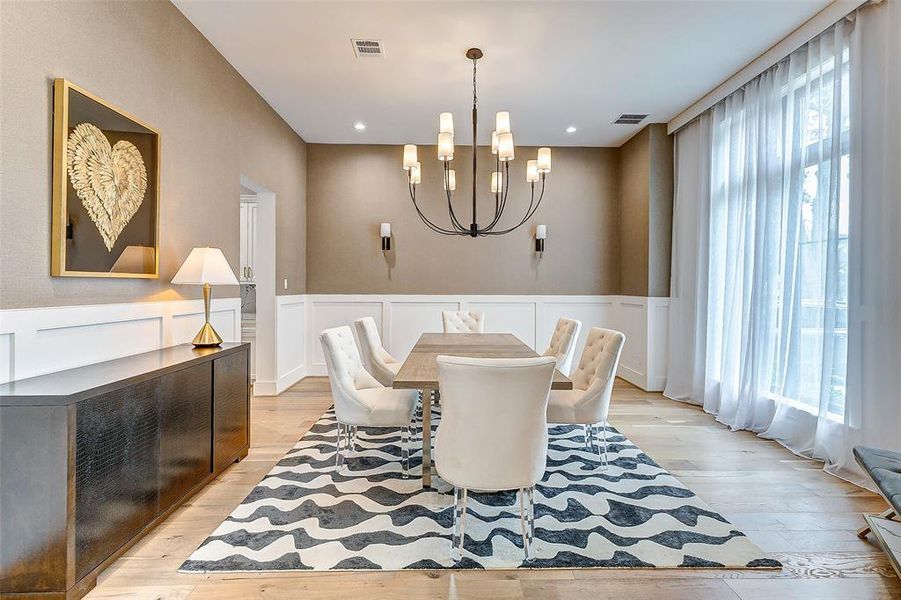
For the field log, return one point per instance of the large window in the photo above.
(778, 266)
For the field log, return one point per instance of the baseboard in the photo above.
(290, 378)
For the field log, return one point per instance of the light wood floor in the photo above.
(786, 504)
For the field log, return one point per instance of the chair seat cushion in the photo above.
(562, 407)
(389, 407)
(884, 468)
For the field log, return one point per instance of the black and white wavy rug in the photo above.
(305, 516)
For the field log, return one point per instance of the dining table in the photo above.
(420, 372)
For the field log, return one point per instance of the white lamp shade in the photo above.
(451, 182)
(446, 123)
(416, 174)
(497, 182)
(385, 230)
(544, 160)
(532, 171)
(409, 156)
(445, 146)
(505, 146)
(205, 265)
(494, 142)
(541, 232)
(502, 122)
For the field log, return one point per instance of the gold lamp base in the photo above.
(206, 337)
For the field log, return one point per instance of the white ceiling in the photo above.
(551, 64)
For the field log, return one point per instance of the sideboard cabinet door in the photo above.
(186, 427)
(231, 408)
(116, 470)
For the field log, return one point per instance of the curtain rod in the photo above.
(794, 40)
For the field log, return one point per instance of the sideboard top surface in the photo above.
(70, 386)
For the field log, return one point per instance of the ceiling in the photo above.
(551, 64)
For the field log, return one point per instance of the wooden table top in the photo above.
(420, 370)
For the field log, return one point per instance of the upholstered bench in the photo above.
(884, 468)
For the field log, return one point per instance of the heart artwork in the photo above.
(110, 181)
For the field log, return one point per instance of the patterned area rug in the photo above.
(305, 516)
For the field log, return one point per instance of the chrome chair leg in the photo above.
(605, 443)
(522, 522)
(338, 456)
(531, 515)
(586, 435)
(405, 451)
(459, 524)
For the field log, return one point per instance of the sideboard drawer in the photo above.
(231, 409)
(186, 424)
(116, 470)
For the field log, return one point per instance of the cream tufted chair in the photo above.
(376, 359)
(360, 400)
(589, 400)
(563, 343)
(474, 451)
(463, 321)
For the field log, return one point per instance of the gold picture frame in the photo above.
(82, 226)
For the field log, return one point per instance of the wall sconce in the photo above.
(540, 236)
(385, 233)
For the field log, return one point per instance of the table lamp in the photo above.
(206, 267)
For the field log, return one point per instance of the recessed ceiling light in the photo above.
(571, 129)
(360, 126)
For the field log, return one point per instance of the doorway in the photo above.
(257, 279)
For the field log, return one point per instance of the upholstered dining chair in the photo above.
(360, 400)
(474, 451)
(563, 343)
(589, 400)
(376, 359)
(463, 321)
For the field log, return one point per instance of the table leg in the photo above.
(426, 438)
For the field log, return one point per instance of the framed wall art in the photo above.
(105, 189)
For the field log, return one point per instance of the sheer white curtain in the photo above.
(759, 327)
(873, 401)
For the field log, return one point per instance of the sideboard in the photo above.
(92, 458)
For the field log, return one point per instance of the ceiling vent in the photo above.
(367, 48)
(629, 119)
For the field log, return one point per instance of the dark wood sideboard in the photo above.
(92, 458)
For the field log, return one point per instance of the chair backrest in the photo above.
(563, 343)
(463, 321)
(346, 374)
(493, 429)
(375, 357)
(596, 370)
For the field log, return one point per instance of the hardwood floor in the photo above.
(786, 504)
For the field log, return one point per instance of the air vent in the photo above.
(367, 48)
(629, 119)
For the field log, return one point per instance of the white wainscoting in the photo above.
(35, 341)
(403, 318)
(290, 333)
(43, 340)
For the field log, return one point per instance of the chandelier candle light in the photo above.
(503, 149)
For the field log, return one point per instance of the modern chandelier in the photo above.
(501, 147)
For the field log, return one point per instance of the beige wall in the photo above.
(148, 59)
(660, 211)
(351, 189)
(646, 212)
(634, 183)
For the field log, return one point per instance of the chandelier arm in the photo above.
(455, 222)
(425, 219)
(502, 195)
(528, 214)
